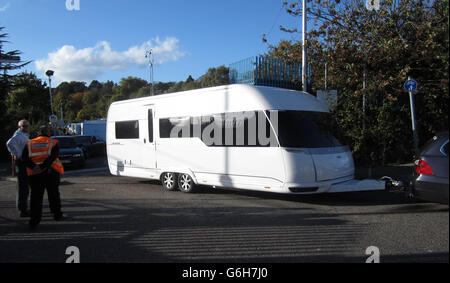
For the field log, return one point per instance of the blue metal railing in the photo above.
(267, 71)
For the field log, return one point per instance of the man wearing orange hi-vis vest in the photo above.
(44, 168)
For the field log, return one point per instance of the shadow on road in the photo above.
(214, 225)
(131, 230)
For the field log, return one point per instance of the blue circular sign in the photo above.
(410, 85)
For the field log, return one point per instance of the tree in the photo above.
(95, 85)
(28, 99)
(401, 39)
(129, 86)
(215, 77)
(7, 62)
(189, 79)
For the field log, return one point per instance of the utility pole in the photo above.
(149, 56)
(304, 46)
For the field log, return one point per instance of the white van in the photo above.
(236, 136)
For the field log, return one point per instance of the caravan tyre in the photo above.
(185, 183)
(169, 181)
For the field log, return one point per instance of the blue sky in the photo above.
(107, 39)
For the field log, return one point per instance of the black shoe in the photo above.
(60, 217)
(24, 214)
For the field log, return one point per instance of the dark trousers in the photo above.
(39, 183)
(23, 190)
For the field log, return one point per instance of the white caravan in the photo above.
(236, 136)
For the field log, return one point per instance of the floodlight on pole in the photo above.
(149, 56)
(49, 74)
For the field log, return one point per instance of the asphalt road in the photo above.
(119, 219)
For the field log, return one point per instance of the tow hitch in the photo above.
(385, 183)
(396, 186)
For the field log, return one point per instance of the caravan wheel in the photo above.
(185, 183)
(169, 181)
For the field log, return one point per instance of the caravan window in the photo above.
(174, 125)
(222, 129)
(127, 129)
(306, 129)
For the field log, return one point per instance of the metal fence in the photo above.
(267, 71)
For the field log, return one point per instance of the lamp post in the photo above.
(50, 73)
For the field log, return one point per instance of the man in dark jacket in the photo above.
(40, 156)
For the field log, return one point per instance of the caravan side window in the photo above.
(127, 129)
(175, 127)
(222, 129)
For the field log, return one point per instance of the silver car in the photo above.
(431, 170)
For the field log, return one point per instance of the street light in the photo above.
(50, 73)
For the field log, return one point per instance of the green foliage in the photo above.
(26, 96)
(6, 85)
(214, 77)
(29, 97)
(403, 38)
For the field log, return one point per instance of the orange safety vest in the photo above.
(40, 149)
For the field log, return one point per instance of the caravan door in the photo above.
(148, 153)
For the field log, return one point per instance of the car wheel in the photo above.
(82, 164)
(409, 193)
(185, 183)
(169, 181)
(85, 152)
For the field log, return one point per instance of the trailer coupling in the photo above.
(394, 186)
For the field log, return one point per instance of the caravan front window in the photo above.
(306, 129)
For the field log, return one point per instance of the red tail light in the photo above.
(422, 167)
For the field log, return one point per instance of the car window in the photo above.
(424, 147)
(66, 142)
(436, 146)
(444, 148)
(83, 139)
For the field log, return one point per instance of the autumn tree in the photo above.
(369, 55)
(29, 99)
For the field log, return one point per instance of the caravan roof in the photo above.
(228, 98)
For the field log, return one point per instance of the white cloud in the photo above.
(72, 64)
(3, 8)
